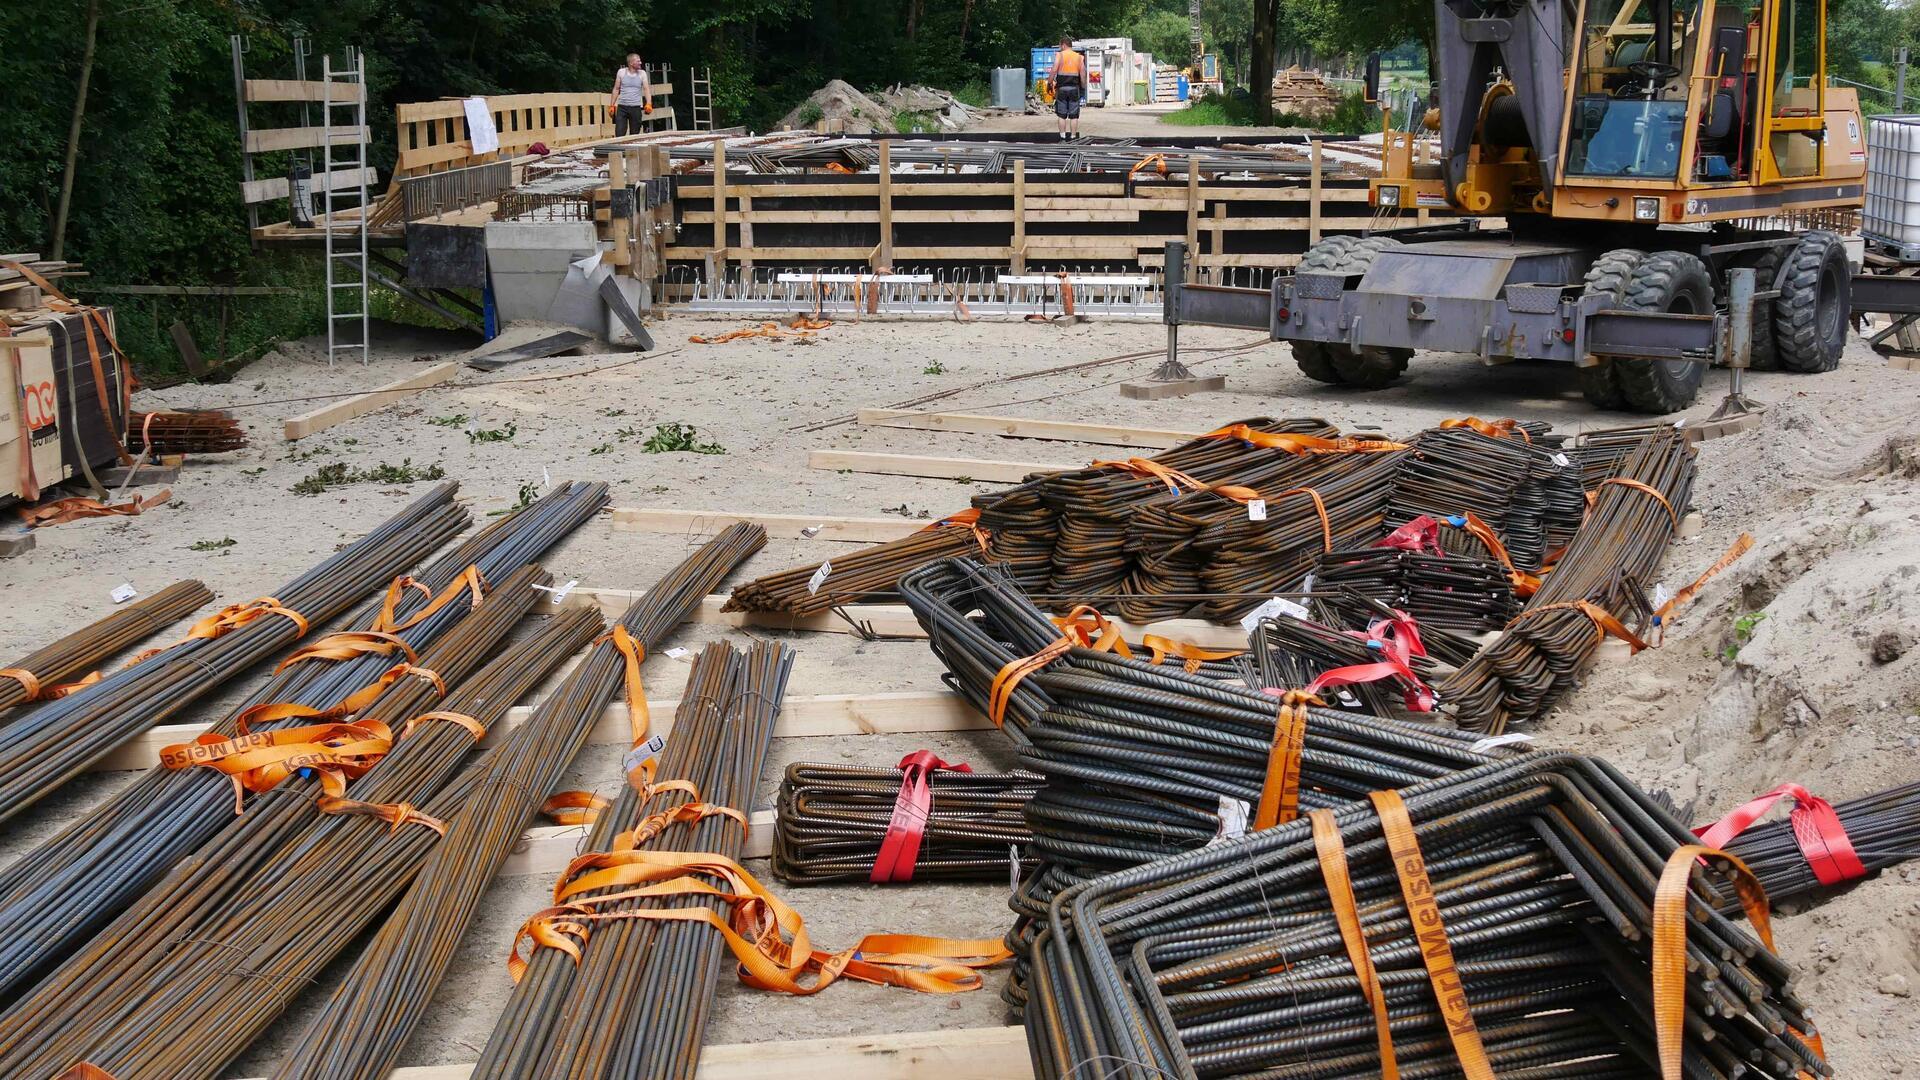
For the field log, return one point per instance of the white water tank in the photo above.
(1891, 217)
(1010, 88)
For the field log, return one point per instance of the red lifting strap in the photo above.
(1816, 827)
(1399, 642)
(900, 850)
(1420, 536)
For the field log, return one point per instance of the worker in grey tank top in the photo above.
(632, 97)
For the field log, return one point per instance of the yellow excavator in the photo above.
(1613, 163)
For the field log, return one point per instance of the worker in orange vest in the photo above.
(1068, 81)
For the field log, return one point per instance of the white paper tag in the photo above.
(1306, 583)
(560, 592)
(1256, 509)
(1013, 867)
(645, 752)
(1493, 742)
(546, 479)
(1345, 697)
(811, 531)
(1234, 814)
(1661, 594)
(677, 653)
(1272, 609)
(1561, 460)
(123, 593)
(819, 577)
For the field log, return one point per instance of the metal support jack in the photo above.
(1737, 412)
(1173, 378)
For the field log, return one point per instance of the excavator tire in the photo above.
(1766, 351)
(1810, 317)
(1608, 276)
(1332, 362)
(1667, 281)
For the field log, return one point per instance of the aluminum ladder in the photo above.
(344, 236)
(702, 79)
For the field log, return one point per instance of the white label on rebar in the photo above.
(124, 593)
(819, 577)
(1256, 509)
(645, 752)
(1233, 819)
(1306, 583)
(1493, 742)
(1561, 460)
(560, 593)
(1661, 594)
(1345, 697)
(677, 653)
(1272, 609)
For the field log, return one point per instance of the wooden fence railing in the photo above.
(432, 135)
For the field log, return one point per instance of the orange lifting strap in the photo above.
(1303, 444)
(1492, 429)
(1604, 623)
(1083, 626)
(1649, 489)
(394, 814)
(574, 808)
(1332, 852)
(1192, 655)
(1280, 793)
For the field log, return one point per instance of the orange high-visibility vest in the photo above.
(1070, 62)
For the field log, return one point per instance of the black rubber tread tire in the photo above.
(1659, 283)
(1315, 359)
(1803, 344)
(1608, 275)
(1372, 367)
(1766, 350)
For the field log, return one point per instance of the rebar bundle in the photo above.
(635, 1001)
(1882, 829)
(867, 574)
(39, 675)
(198, 967)
(1596, 589)
(1452, 592)
(45, 748)
(833, 821)
(1143, 760)
(1516, 480)
(1213, 545)
(1290, 652)
(1540, 917)
(366, 1023)
(120, 847)
(184, 433)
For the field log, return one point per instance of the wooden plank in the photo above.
(859, 530)
(717, 257)
(254, 191)
(939, 468)
(996, 1053)
(340, 412)
(261, 141)
(1018, 427)
(303, 90)
(1193, 206)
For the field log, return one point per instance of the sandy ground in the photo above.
(1827, 486)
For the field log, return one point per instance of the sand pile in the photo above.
(856, 113)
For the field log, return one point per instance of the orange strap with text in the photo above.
(767, 938)
(394, 814)
(1670, 899)
(1303, 444)
(1672, 515)
(1492, 429)
(574, 808)
(1332, 853)
(1423, 912)
(1741, 545)
(1604, 623)
(1280, 794)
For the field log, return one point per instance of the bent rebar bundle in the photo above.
(1597, 588)
(366, 1023)
(833, 823)
(39, 675)
(128, 842)
(1538, 917)
(1794, 858)
(201, 964)
(633, 999)
(1144, 760)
